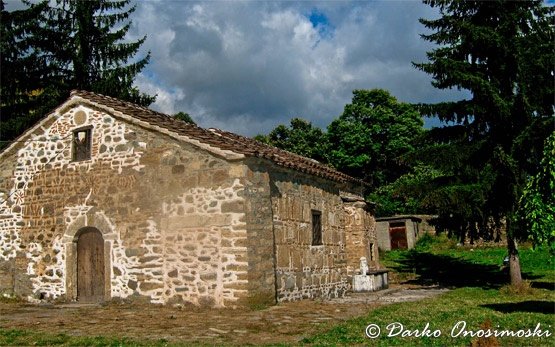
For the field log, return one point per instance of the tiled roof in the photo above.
(219, 138)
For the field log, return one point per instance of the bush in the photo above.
(426, 242)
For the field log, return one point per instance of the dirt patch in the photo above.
(284, 323)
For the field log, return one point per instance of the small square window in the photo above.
(316, 228)
(82, 144)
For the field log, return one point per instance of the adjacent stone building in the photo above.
(104, 199)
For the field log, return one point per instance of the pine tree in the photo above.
(88, 53)
(22, 71)
(501, 51)
(48, 49)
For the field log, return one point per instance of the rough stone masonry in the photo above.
(183, 214)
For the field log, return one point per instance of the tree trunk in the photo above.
(514, 262)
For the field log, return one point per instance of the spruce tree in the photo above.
(50, 48)
(502, 52)
(22, 71)
(86, 40)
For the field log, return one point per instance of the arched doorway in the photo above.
(90, 265)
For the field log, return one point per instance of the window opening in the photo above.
(82, 144)
(316, 228)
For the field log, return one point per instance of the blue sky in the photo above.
(247, 66)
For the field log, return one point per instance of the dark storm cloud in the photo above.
(248, 66)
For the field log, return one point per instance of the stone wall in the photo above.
(171, 215)
(412, 232)
(425, 226)
(260, 234)
(304, 270)
(179, 223)
(360, 230)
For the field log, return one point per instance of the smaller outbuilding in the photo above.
(398, 232)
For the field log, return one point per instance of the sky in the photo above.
(247, 66)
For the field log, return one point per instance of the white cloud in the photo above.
(248, 66)
(166, 99)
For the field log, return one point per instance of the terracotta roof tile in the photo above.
(220, 139)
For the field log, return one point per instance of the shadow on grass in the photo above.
(434, 269)
(532, 306)
(543, 285)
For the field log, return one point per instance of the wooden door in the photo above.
(398, 235)
(90, 266)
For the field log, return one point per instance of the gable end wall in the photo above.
(172, 215)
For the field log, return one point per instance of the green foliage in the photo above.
(472, 304)
(23, 71)
(183, 116)
(426, 242)
(406, 194)
(52, 47)
(500, 51)
(86, 40)
(367, 140)
(300, 137)
(536, 210)
(262, 138)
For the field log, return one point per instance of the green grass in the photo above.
(479, 297)
(475, 306)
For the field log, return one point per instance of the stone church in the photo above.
(103, 199)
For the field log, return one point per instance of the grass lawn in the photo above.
(479, 300)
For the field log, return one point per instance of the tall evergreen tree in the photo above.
(53, 47)
(502, 52)
(86, 43)
(22, 71)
